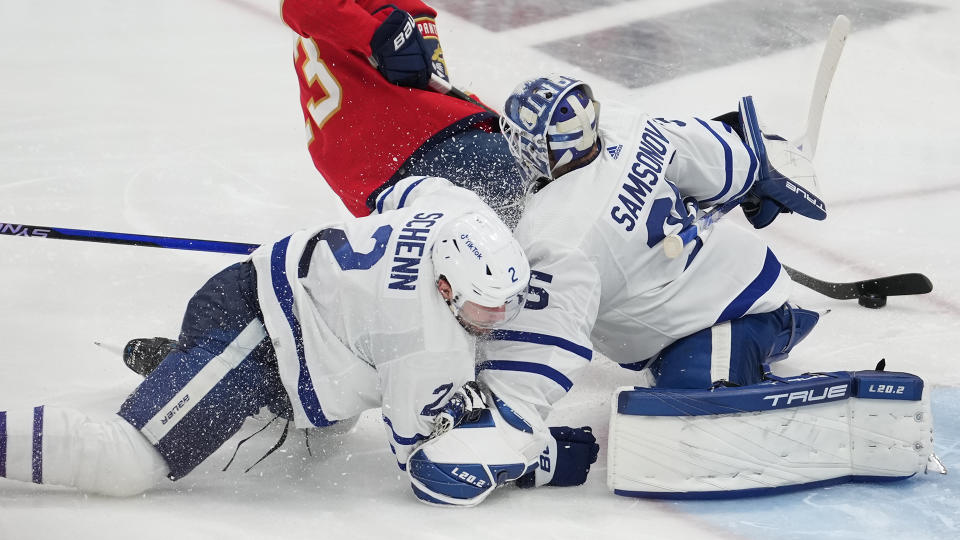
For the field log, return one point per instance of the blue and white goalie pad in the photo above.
(776, 436)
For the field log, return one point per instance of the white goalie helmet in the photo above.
(486, 268)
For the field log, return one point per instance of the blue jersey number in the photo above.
(664, 212)
(434, 407)
(347, 258)
(538, 297)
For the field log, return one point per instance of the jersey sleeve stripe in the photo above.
(406, 192)
(406, 441)
(758, 287)
(530, 367)
(383, 198)
(284, 294)
(754, 163)
(543, 339)
(727, 163)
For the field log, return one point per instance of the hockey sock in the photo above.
(52, 445)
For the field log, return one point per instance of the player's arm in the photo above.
(711, 163)
(348, 22)
(399, 38)
(536, 358)
(415, 388)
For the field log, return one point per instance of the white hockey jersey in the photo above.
(600, 278)
(356, 319)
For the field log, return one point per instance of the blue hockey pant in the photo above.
(223, 370)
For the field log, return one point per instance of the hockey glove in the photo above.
(566, 460)
(786, 180)
(465, 406)
(400, 53)
(761, 212)
(428, 29)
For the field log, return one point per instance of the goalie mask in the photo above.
(549, 122)
(486, 269)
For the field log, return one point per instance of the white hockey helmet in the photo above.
(486, 268)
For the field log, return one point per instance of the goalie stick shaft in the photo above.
(673, 244)
(821, 86)
(191, 244)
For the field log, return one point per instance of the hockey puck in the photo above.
(872, 300)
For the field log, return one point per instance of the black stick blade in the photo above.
(899, 285)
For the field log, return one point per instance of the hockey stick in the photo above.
(673, 244)
(443, 86)
(806, 143)
(192, 244)
(871, 293)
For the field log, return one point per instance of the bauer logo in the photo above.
(23, 230)
(175, 409)
(400, 39)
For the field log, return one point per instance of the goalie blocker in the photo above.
(777, 436)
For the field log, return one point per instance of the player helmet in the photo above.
(486, 268)
(549, 122)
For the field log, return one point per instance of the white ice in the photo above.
(181, 118)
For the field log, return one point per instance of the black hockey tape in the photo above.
(872, 301)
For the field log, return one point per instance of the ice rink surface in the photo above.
(181, 118)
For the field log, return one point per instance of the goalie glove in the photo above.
(465, 405)
(566, 460)
(786, 180)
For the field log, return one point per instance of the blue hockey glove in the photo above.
(761, 212)
(566, 460)
(786, 181)
(400, 53)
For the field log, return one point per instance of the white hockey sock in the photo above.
(52, 445)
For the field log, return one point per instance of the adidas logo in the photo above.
(614, 151)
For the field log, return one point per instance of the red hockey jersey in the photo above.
(361, 128)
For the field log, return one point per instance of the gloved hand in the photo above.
(428, 29)
(566, 460)
(400, 53)
(465, 405)
(761, 211)
(786, 180)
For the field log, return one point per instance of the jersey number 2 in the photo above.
(347, 257)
